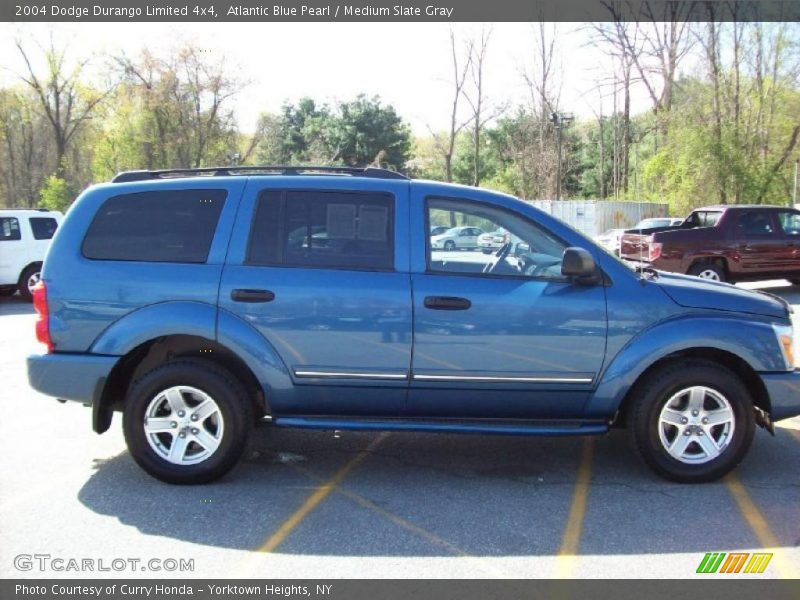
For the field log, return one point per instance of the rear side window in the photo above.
(703, 218)
(339, 230)
(43, 228)
(162, 226)
(790, 222)
(9, 229)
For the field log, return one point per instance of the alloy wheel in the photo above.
(183, 425)
(696, 425)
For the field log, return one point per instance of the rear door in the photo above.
(315, 271)
(761, 247)
(12, 250)
(42, 228)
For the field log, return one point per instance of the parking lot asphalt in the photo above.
(306, 504)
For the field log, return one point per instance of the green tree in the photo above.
(56, 194)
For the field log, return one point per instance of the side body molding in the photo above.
(754, 342)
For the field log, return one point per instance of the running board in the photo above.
(485, 426)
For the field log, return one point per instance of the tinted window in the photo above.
(43, 228)
(9, 229)
(346, 230)
(164, 226)
(524, 250)
(755, 223)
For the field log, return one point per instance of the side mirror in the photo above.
(577, 262)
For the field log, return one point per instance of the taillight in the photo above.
(654, 250)
(43, 320)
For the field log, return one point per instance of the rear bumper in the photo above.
(784, 394)
(77, 377)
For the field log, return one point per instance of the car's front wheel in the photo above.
(449, 245)
(692, 421)
(187, 421)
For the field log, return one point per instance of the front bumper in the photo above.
(77, 377)
(784, 394)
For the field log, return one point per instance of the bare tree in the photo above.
(66, 102)
(543, 79)
(445, 145)
(184, 103)
(482, 111)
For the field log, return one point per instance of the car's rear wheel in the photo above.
(692, 421)
(28, 280)
(187, 421)
(708, 271)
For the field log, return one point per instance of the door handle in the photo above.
(446, 303)
(240, 295)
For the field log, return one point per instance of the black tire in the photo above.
(651, 396)
(234, 405)
(449, 245)
(23, 281)
(699, 268)
(794, 281)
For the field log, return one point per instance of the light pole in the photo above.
(559, 120)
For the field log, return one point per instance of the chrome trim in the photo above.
(348, 375)
(503, 379)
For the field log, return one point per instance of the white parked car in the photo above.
(654, 222)
(493, 240)
(610, 240)
(457, 238)
(24, 239)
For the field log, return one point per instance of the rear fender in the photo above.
(155, 321)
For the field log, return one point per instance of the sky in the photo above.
(407, 64)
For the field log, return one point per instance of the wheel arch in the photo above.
(748, 375)
(718, 261)
(158, 351)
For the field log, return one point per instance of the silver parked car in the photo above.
(457, 238)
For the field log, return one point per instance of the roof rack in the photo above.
(127, 176)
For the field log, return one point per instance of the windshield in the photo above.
(650, 223)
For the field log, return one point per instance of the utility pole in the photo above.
(559, 120)
(794, 192)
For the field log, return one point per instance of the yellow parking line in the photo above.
(758, 524)
(409, 526)
(570, 542)
(277, 538)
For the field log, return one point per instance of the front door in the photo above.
(318, 277)
(504, 334)
(789, 224)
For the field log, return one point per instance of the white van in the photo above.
(25, 236)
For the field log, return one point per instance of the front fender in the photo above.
(752, 341)
(155, 321)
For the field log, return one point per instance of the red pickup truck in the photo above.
(723, 243)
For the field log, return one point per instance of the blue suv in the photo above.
(201, 302)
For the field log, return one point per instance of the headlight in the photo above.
(785, 335)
